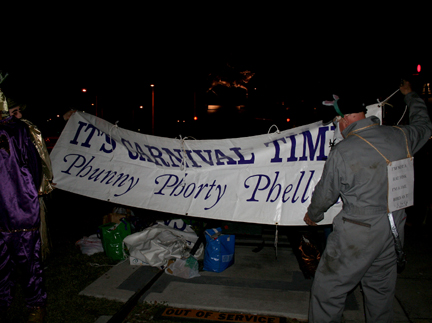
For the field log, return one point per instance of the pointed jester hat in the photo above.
(3, 102)
(8, 103)
(342, 107)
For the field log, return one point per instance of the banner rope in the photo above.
(403, 114)
(383, 103)
(183, 161)
(277, 129)
(111, 139)
(184, 157)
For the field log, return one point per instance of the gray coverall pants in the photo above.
(348, 260)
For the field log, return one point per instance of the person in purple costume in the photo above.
(20, 243)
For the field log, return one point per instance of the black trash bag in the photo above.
(310, 255)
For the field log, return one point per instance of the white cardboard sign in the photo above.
(401, 184)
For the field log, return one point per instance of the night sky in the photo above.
(117, 52)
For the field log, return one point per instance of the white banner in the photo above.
(265, 179)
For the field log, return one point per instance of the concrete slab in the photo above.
(103, 319)
(413, 294)
(106, 286)
(357, 315)
(258, 283)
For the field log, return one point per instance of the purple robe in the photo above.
(20, 176)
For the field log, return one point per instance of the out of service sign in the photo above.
(219, 316)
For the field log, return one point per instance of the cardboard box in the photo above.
(113, 217)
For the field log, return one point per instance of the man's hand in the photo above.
(68, 114)
(405, 87)
(308, 220)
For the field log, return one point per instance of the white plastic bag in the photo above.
(184, 268)
(90, 245)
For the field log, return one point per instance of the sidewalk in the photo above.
(257, 283)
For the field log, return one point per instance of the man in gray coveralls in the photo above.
(361, 246)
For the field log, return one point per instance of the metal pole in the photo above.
(195, 115)
(96, 105)
(153, 117)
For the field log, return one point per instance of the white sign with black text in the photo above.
(401, 184)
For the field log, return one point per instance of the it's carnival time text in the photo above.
(160, 156)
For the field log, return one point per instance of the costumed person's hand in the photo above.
(405, 87)
(68, 114)
(308, 220)
(53, 185)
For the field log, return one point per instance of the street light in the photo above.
(152, 88)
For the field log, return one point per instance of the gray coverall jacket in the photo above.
(361, 246)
